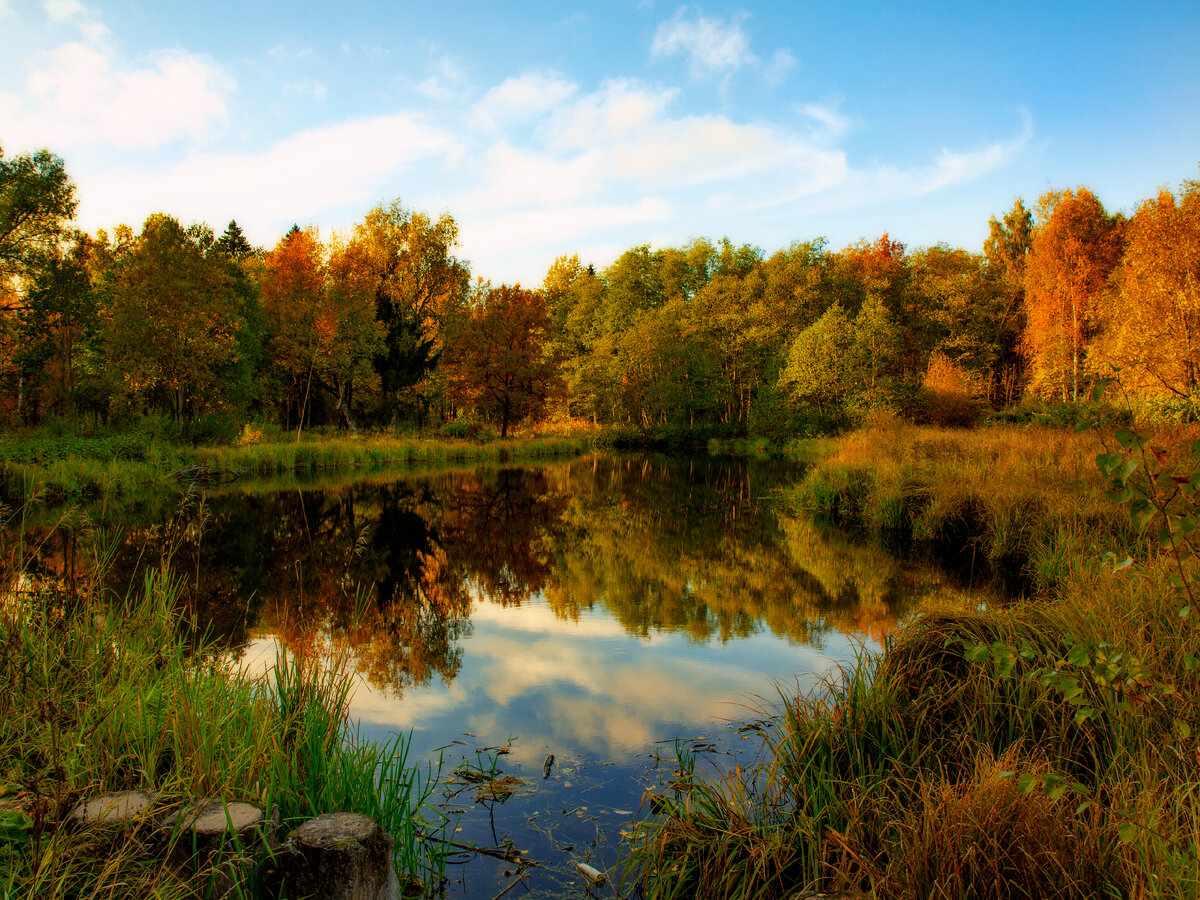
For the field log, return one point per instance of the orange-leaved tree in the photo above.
(1075, 247)
(498, 359)
(1153, 334)
(293, 294)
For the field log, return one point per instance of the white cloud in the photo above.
(782, 62)
(713, 47)
(309, 87)
(296, 179)
(78, 98)
(831, 123)
(72, 12)
(289, 50)
(447, 82)
(522, 98)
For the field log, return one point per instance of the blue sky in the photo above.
(549, 128)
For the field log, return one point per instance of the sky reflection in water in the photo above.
(590, 609)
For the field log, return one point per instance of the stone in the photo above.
(119, 809)
(340, 856)
(212, 825)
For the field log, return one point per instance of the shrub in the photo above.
(951, 399)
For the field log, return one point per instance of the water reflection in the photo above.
(400, 571)
(588, 609)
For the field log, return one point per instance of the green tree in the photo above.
(171, 319)
(37, 199)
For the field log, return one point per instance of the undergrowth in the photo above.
(1046, 749)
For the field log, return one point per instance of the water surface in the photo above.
(598, 610)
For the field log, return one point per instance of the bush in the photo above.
(950, 396)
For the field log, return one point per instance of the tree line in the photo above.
(384, 325)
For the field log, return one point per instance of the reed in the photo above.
(103, 695)
(1042, 749)
(83, 468)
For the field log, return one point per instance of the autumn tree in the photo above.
(498, 360)
(301, 324)
(1153, 331)
(171, 318)
(1075, 247)
(406, 260)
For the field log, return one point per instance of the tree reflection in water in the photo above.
(389, 570)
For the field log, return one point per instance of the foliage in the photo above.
(1075, 247)
(499, 361)
(171, 318)
(1040, 749)
(37, 199)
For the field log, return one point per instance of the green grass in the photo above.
(1044, 749)
(102, 695)
(69, 467)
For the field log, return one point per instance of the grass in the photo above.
(1044, 749)
(1027, 502)
(104, 695)
(65, 467)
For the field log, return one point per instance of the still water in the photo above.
(598, 610)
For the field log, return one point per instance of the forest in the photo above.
(201, 333)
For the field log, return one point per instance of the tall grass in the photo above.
(1026, 501)
(102, 467)
(1045, 749)
(102, 695)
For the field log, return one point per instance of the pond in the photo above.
(598, 611)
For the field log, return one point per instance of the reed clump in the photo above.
(1047, 748)
(106, 694)
(1026, 502)
(70, 467)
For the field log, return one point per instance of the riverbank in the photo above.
(107, 696)
(1047, 748)
(69, 466)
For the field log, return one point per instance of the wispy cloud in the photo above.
(781, 64)
(72, 12)
(309, 87)
(522, 98)
(713, 47)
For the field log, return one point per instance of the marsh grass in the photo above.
(105, 694)
(90, 467)
(1044, 749)
(1027, 502)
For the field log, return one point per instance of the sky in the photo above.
(550, 128)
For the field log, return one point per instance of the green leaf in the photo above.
(1006, 774)
(1100, 387)
(1083, 714)
(1127, 438)
(1078, 656)
(1127, 831)
(1196, 450)
(976, 653)
(15, 825)
(1084, 806)
(1183, 728)
(1106, 462)
(1025, 783)
(1084, 426)
(1057, 791)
